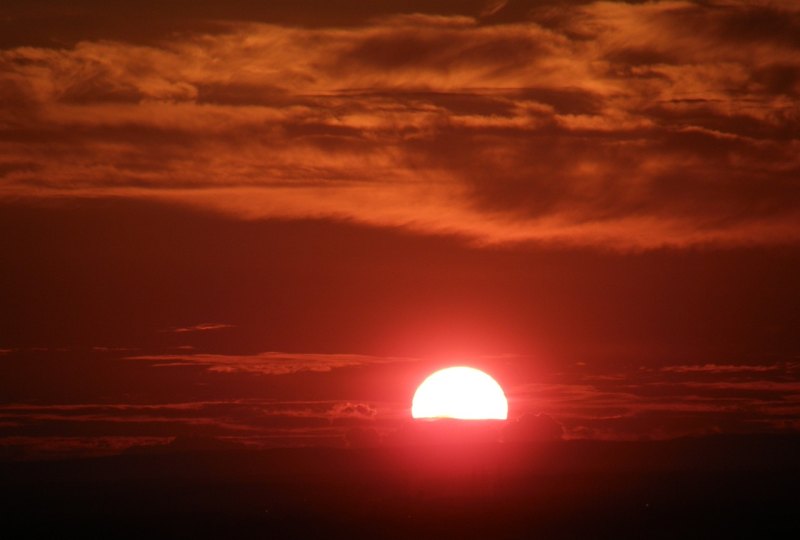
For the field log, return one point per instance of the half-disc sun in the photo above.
(463, 393)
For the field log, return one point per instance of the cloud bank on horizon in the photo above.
(601, 124)
(645, 403)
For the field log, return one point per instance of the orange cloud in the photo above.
(607, 124)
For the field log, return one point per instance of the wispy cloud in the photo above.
(96, 429)
(669, 401)
(124, 412)
(202, 327)
(613, 124)
(32, 447)
(267, 363)
(720, 368)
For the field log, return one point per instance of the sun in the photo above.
(462, 393)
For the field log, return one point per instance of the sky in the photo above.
(267, 222)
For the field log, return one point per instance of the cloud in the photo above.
(608, 124)
(493, 7)
(361, 410)
(719, 368)
(203, 327)
(28, 448)
(592, 403)
(667, 402)
(267, 363)
(29, 430)
(188, 411)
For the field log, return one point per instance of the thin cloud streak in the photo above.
(31, 430)
(719, 368)
(202, 327)
(267, 363)
(668, 402)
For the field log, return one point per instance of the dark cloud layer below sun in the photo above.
(604, 124)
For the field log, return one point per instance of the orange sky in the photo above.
(210, 204)
(629, 125)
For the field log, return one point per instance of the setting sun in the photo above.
(462, 393)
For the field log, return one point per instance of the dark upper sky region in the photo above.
(268, 221)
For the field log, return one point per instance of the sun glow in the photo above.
(462, 393)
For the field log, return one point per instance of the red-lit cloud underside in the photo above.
(610, 124)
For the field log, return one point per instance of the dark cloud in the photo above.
(41, 429)
(26, 448)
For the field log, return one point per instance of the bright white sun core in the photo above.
(462, 393)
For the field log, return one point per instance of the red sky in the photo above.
(268, 222)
